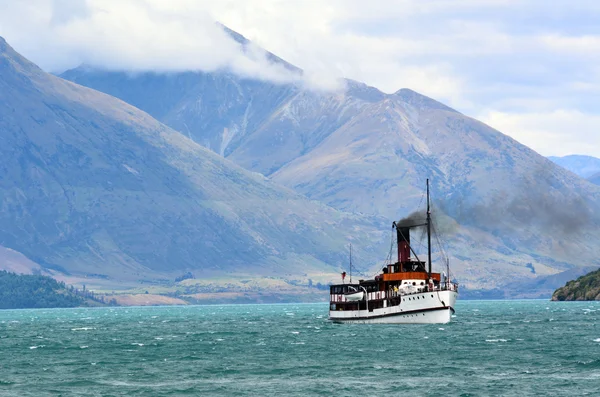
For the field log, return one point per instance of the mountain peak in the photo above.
(233, 34)
(245, 43)
(363, 91)
(420, 101)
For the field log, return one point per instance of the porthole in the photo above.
(414, 283)
(432, 295)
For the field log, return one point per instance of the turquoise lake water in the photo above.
(512, 348)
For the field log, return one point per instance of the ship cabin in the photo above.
(397, 281)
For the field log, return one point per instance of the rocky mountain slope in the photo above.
(507, 211)
(258, 125)
(95, 187)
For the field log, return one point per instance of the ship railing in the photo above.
(393, 293)
(448, 287)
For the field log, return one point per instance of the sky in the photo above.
(529, 68)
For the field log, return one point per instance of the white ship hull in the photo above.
(434, 307)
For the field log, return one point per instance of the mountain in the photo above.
(585, 288)
(506, 211)
(584, 166)
(93, 187)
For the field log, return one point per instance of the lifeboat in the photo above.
(354, 295)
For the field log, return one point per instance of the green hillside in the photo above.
(19, 291)
(585, 288)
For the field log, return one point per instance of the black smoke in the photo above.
(417, 218)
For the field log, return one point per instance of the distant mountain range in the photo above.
(585, 166)
(508, 212)
(595, 179)
(93, 187)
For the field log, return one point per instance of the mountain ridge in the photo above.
(369, 152)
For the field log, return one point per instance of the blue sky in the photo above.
(528, 68)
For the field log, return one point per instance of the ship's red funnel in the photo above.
(403, 244)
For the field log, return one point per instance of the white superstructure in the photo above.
(434, 307)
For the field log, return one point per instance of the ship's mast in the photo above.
(350, 263)
(447, 272)
(428, 229)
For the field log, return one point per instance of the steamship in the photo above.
(406, 291)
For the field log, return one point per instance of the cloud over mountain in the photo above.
(137, 36)
(515, 65)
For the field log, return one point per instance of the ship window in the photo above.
(422, 283)
(432, 295)
(414, 283)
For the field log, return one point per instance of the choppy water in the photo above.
(492, 348)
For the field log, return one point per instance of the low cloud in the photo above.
(139, 36)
